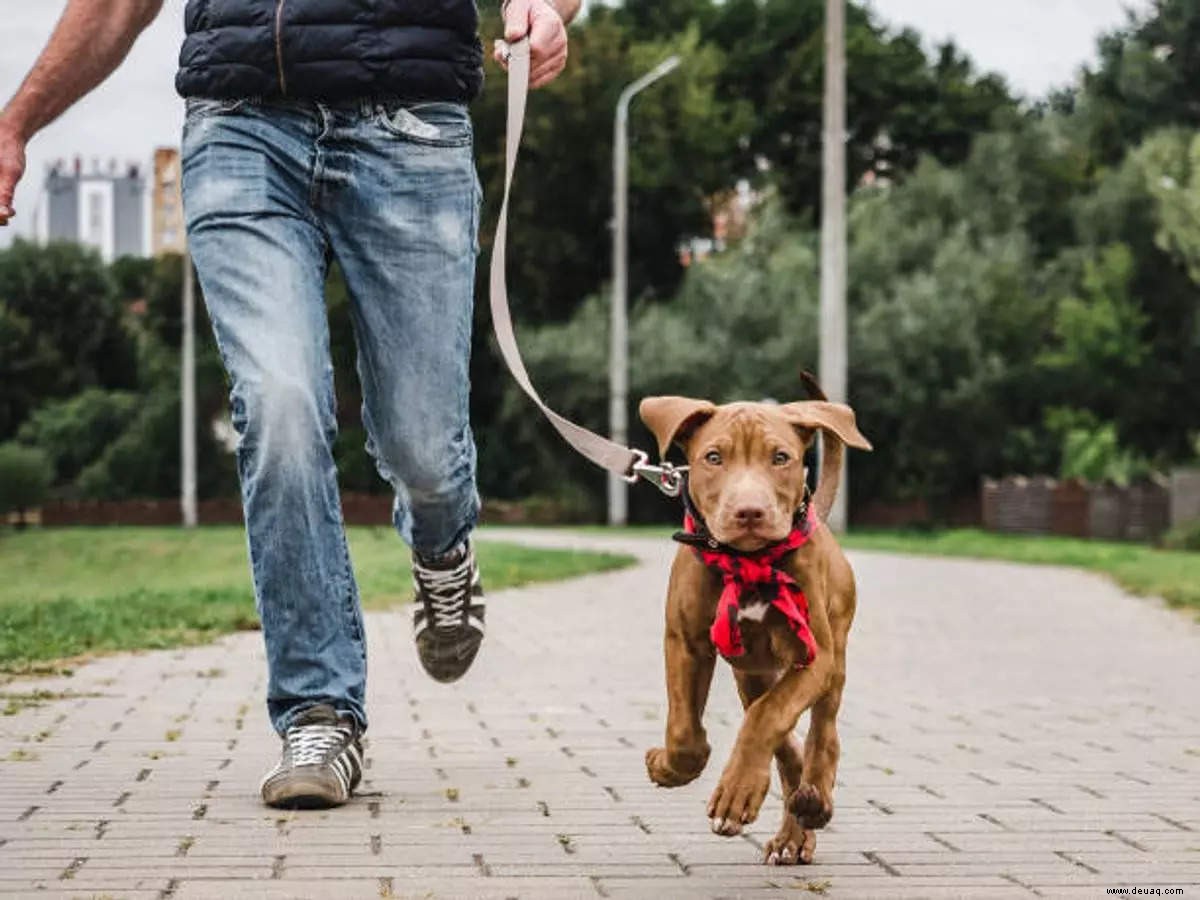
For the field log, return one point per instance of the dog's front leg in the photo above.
(689, 675)
(769, 722)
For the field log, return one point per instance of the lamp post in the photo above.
(833, 362)
(618, 359)
(187, 424)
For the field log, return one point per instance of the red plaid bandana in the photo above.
(756, 574)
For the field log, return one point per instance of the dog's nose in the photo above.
(750, 515)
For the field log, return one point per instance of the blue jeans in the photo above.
(274, 191)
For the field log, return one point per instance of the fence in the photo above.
(1040, 505)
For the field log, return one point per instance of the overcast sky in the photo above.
(1035, 44)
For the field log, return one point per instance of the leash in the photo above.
(630, 464)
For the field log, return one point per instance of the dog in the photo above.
(759, 574)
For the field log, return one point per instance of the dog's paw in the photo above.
(674, 769)
(738, 797)
(809, 807)
(792, 846)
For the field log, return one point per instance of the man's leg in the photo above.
(400, 201)
(262, 260)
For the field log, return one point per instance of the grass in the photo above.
(1140, 569)
(1170, 574)
(69, 592)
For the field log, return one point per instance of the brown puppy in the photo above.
(747, 484)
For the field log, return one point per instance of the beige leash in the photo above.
(630, 464)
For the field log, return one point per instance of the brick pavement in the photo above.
(1007, 732)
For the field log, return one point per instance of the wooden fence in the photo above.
(1041, 505)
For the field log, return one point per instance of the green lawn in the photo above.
(72, 591)
(1172, 575)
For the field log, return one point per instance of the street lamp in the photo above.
(833, 362)
(618, 359)
(187, 382)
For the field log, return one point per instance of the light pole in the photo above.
(618, 358)
(833, 361)
(187, 380)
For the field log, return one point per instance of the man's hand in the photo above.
(12, 167)
(90, 40)
(543, 23)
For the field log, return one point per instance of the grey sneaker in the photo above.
(448, 619)
(321, 764)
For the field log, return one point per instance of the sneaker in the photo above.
(321, 764)
(448, 620)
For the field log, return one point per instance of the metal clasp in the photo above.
(666, 477)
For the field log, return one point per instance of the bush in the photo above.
(1095, 454)
(25, 478)
(75, 432)
(1183, 537)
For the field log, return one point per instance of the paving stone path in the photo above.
(1007, 732)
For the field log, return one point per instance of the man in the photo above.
(323, 130)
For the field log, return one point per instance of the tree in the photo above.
(1146, 79)
(60, 327)
(75, 432)
(900, 105)
(25, 476)
(683, 137)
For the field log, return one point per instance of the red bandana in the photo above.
(756, 574)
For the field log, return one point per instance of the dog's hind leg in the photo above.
(793, 843)
(689, 676)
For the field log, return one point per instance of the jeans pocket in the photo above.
(428, 124)
(198, 107)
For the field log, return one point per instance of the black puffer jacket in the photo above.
(331, 49)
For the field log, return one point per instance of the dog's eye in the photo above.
(781, 458)
(713, 458)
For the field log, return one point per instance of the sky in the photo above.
(1035, 44)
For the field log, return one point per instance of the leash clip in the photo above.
(665, 476)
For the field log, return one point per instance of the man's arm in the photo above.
(567, 9)
(89, 42)
(545, 21)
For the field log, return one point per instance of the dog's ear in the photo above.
(837, 426)
(833, 417)
(672, 418)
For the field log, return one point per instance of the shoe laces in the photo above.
(312, 745)
(445, 591)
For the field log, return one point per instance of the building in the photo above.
(102, 208)
(166, 204)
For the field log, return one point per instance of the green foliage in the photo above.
(143, 461)
(60, 329)
(901, 105)
(132, 276)
(739, 327)
(682, 139)
(75, 432)
(1007, 263)
(1142, 570)
(1183, 537)
(1169, 164)
(1098, 337)
(1095, 454)
(1146, 79)
(25, 477)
